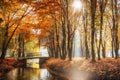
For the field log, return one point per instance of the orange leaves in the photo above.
(47, 23)
(47, 7)
(24, 27)
(38, 15)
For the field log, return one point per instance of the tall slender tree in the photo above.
(102, 6)
(93, 6)
(115, 26)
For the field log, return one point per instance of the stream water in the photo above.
(31, 72)
(27, 74)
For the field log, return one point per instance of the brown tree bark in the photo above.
(93, 6)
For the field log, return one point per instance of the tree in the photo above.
(93, 5)
(115, 26)
(12, 13)
(85, 24)
(102, 6)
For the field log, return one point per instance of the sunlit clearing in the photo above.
(77, 5)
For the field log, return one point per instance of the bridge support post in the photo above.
(24, 62)
(39, 63)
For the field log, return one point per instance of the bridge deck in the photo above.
(34, 57)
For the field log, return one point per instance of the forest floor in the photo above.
(8, 64)
(83, 69)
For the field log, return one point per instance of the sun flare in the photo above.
(77, 5)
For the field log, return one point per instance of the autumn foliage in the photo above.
(8, 64)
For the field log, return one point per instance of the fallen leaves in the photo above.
(105, 69)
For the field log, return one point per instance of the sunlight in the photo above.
(34, 63)
(36, 31)
(44, 52)
(77, 5)
(44, 74)
(76, 45)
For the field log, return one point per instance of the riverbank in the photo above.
(82, 69)
(8, 64)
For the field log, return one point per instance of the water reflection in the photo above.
(34, 63)
(31, 72)
(28, 74)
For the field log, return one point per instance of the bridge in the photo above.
(41, 59)
(37, 57)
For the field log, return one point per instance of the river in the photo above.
(31, 72)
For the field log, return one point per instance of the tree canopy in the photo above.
(56, 21)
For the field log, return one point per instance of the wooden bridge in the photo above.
(41, 59)
(34, 57)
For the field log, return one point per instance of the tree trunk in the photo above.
(4, 44)
(68, 33)
(57, 40)
(102, 6)
(93, 11)
(115, 26)
(112, 43)
(3, 53)
(23, 48)
(85, 21)
(63, 42)
(19, 45)
(104, 49)
(100, 41)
